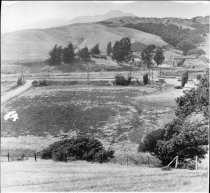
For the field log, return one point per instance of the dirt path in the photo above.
(15, 92)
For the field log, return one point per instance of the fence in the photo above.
(14, 157)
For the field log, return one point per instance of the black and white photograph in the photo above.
(105, 96)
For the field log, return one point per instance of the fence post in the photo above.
(176, 161)
(35, 156)
(196, 162)
(8, 157)
(148, 161)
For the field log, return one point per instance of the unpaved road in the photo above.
(15, 92)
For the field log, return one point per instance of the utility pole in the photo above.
(88, 74)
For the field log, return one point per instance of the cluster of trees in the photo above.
(121, 50)
(184, 39)
(79, 148)
(180, 137)
(151, 53)
(59, 55)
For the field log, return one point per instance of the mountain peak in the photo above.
(101, 17)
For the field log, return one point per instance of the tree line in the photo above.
(120, 51)
(66, 55)
(184, 39)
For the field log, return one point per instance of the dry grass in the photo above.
(36, 44)
(47, 114)
(82, 176)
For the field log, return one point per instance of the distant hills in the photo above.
(36, 43)
(95, 18)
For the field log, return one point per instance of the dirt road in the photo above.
(15, 92)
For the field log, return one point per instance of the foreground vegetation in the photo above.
(182, 137)
(46, 175)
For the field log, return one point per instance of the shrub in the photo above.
(40, 83)
(43, 83)
(185, 78)
(198, 76)
(20, 81)
(121, 80)
(80, 148)
(146, 79)
(150, 141)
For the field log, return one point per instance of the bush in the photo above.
(199, 76)
(185, 78)
(40, 83)
(80, 148)
(150, 141)
(20, 81)
(121, 80)
(146, 79)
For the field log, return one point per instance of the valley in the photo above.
(137, 85)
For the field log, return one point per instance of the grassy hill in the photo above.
(36, 43)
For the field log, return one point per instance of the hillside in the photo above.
(101, 17)
(121, 21)
(36, 43)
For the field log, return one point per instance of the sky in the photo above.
(16, 15)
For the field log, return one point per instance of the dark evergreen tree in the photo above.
(55, 55)
(109, 48)
(95, 49)
(84, 54)
(68, 53)
(122, 50)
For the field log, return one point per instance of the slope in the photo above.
(36, 43)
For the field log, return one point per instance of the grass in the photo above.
(82, 176)
(6, 86)
(51, 113)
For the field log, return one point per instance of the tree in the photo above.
(80, 147)
(159, 56)
(95, 49)
(109, 48)
(55, 55)
(182, 136)
(195, 100)
(185, 78)
(84, 54)
(121, 50)
(68, 53)
(150, 141)
(147, 56)
(186, 46)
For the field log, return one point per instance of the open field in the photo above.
(82, 176)
(112, 114)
